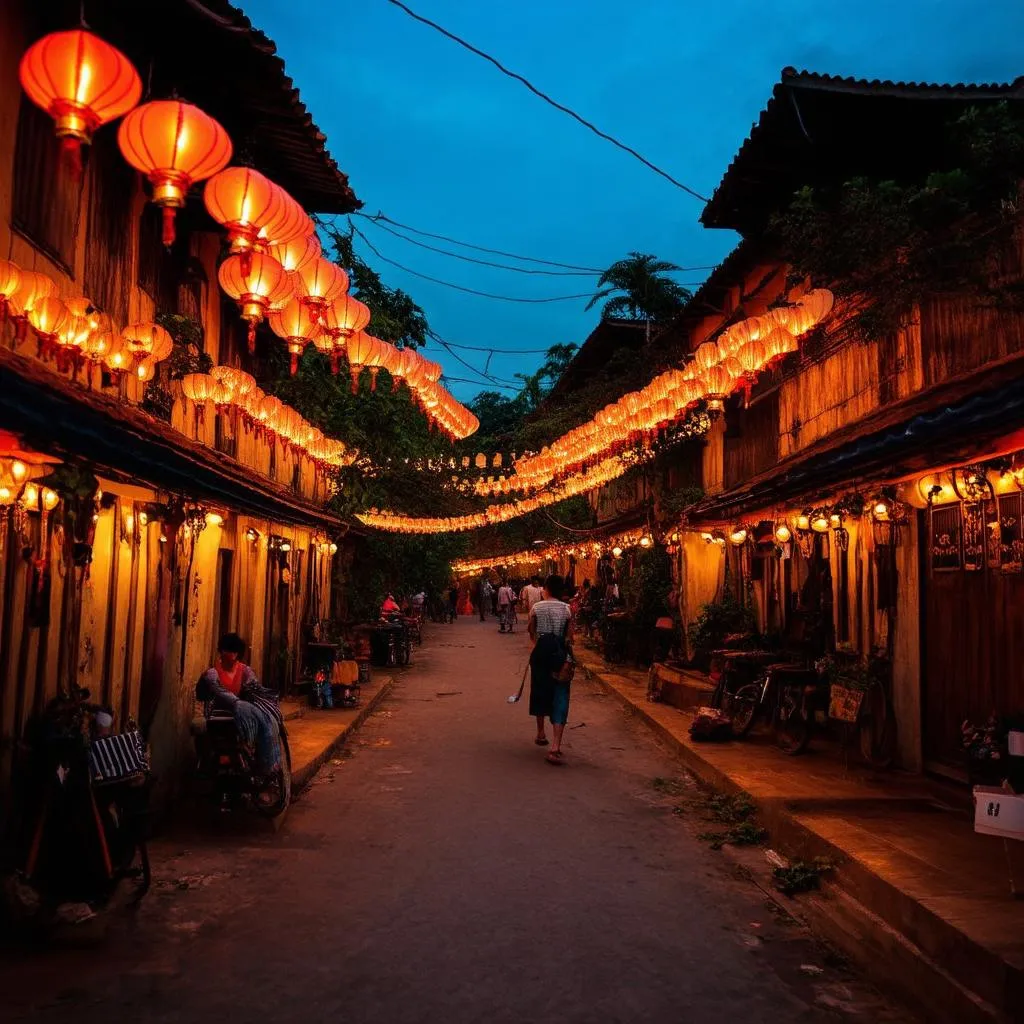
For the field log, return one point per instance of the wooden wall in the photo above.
(751, 440)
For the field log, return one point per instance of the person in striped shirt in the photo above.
(550, 628)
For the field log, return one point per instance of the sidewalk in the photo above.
(916, 895)
(314, 736)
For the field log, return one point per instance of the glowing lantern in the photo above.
(361, 348)
(243, 201)
(717, 384)
(81, 82)
(10, 279)
(73, 335)
(738, 536)
(319, 283)
(706, 356)
(803, 522)
(148, 341)
(146, 370)
(197, 387)
(288, 223)
(404, 365)
(238, 382)
(32, 288)
(295, 324)
(257, 288)
(386, 358)
(47, 317)
(116, 358)
(810, 310)
(296, 253)
(819, 524)
(778, 344)
(175, 145)
(340, 320)
(783, 534)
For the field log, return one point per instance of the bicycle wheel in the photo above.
(742, 707)
(274, 800)
(792, 722)
(877, 726)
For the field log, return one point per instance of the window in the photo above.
(108, 233)
(169, 276)
(46, 194)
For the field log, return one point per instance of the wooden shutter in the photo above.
(107, 277)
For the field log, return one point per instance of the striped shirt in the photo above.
(551, 616)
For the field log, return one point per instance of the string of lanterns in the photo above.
(233, 390)
(736, 359)
(274, 270)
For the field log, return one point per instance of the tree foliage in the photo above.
(889, 244)
(639, 288)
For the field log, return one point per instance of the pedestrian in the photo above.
(493, 591)
(551, 632)
(506, 598)
(483, 597)
(453, 602)
(532, 593)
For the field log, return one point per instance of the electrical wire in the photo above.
(380, 216)
(547, 99)
(484, 263)
(464, 380)
(462, 288)
(480, 373)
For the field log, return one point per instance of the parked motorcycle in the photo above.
(81, 817)
(226, 767)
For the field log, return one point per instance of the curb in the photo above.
(301, 779)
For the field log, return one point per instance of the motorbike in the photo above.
(81, 815)
(226, 767)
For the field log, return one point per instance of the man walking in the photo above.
(532, 593)
(483, 594)
(506, 598)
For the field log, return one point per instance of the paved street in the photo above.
(442, 871)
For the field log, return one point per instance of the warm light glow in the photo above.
(6, 495)
(819, 524)
(707, 537)
(783, 534)
(252, 535)
(835, 521)
(163, 538)
(617, 552)
(881, 510)
(737, 537)
(30, 497)
(286, 546)
(18, 471)
(129, 523)
(50, 499)
(803, 522)
(333, 548)
(646, 542)
(214, 519)
(143, 519)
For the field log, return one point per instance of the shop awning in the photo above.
(53, 415)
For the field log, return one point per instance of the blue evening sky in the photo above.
(440, 140)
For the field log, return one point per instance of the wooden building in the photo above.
(907, 446)
(201, 522)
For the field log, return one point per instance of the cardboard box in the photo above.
(998, 813)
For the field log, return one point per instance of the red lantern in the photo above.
(289, 222)
(244, 201)
(174, 144)
(10, 279)
(32, 287)
(257, 289)
(361, 351)
(295, 324)
(340, 320)
(320, 283)
(81, 82)
(296, 254)
(47, 317)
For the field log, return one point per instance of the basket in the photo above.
(844, 703)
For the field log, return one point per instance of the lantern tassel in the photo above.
(251, 337)
(373, 378)
(356, 370)
(71, 156)
(168, 226)
(294, 363)
(334, 363)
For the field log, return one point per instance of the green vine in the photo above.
(187, 356)
(887, 245)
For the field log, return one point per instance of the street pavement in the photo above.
(441, 870)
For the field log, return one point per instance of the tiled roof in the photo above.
(802, 127)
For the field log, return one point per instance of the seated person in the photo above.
(231, 686)
(389, 607)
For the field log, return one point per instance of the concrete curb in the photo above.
(302, 778)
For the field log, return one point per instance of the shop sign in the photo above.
(945, 538)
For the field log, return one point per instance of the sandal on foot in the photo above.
(555, 757)
(541, 741)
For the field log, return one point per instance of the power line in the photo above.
(462, 288)
(501, 351)
(547, 99)
(376, 218)
(464, 380)
(480, 373)
(484, 263)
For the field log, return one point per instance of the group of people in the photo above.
(412, 605)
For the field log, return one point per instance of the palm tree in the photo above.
(637, 288)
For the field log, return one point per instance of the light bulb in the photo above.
(18, 471)
(803, 522)
(819, 524)
(143, 519)
(333, 548)
(30, 497)
(50, 499)
(738, 536)
(214, 519)
(617, 552)
(783, 534)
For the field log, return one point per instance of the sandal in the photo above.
(555, 757)
(541, 741)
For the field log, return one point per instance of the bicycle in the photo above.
(787, 697)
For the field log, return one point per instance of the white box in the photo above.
(998, 813)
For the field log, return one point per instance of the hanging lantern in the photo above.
(819, 523)
(146, 370)
(706, 356)
(289, 222)
(10, 279)
(82, 82)
(387, 357)
(296, 253)
(175, 145)
(32, 288)
(340, 320)
(319, 283)
(238, 382)
(115, 356)
(72, 336)
(243, 201)
(361, 348)
(148, 341)
(47, 317)
(295, 324)
(738, 536)
(717, 384)
(258, 289)
(783, 534)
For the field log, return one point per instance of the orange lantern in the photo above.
(10, 279)
(148, 341)
(387, 357)
(244, 202)
(81, 82)
(361, 351)
(32, 287)
(146, 370)
(296, 253)
(47, 317)
(319, 283)
(289, 221)
(707, 355)
(175, 145)
(295, 324)
(717, 383)
(73, 335)
(258, 289)
(404, 365)
(115, 357)
(340, 320)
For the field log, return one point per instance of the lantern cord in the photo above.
(378, 217)
(462, 288)
(547, 99)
